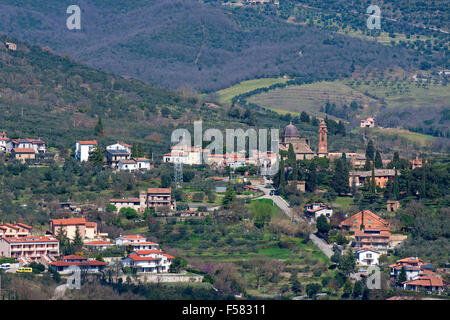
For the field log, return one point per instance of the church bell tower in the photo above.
(323, 150)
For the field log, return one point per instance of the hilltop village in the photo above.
(353, 223)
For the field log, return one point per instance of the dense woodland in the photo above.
(202, 46)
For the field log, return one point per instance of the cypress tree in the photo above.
(372, 180)
(396, 189)
(370, 151)
(282, 183)
(99, 130)
(378, 161)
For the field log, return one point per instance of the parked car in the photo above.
(5, 266)
(274, 193)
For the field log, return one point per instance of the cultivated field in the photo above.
(226, 95)
(311, 97)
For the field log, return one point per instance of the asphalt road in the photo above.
(284, 205)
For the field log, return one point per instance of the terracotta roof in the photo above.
(168, 256)
(87, 142)
(24, 225)
(144, 244)
(67, 222)
(139, 258)
(141, 159)
(31, 239)
(427, 280)
(82, 263)
(90, 224)
(159, 190)
(145, 252)
(125, 161)
(74, 257)
(23, 150)
(411, 260)
(125, 144)
(99, 243)
(132, 236)
(125, 200)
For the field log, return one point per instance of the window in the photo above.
(355, 221)
(368, 220)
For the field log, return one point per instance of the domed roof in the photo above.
(290, 131)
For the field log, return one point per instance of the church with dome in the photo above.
(301, 146)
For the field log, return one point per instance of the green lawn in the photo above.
(226, 95)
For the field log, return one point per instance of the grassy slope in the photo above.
(226, 95)
(310, 97)
(410, 95)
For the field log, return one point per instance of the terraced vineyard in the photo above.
(311, 97)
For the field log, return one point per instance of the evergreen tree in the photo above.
(96, 157)
(304, 117)
(229, 197)
(282, 183)
(341, 176)
(322, 225)
(395, 163)
(311, 179)
(370, 151)
(372, 180)
(341, 129)
(396, 188)
(401, 276)
(291, 154)
(348, 262)
(423, 185)
(378, 161)
(99, 130)
(78, 240)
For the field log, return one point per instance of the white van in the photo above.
(5, 266)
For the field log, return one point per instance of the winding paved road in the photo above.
(284, 205)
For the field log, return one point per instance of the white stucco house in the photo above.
(367, 257)
(83, 149)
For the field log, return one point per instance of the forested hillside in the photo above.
(205, 46)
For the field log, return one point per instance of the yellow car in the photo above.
(25, 269)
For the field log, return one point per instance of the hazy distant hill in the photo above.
(176, 43)
(59, 100)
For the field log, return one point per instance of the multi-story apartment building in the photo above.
(87, 230)
(148, 261)
(18, 230)
(29, 247)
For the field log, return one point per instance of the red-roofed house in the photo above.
(18, 230)
(429, 282)
(29, 247)
(156, 198)
(87, 230)
(84, 148)
(413, 267)
(89, 265)
(367, 219)
(315, 210)
(23, 154)
(148, 261)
